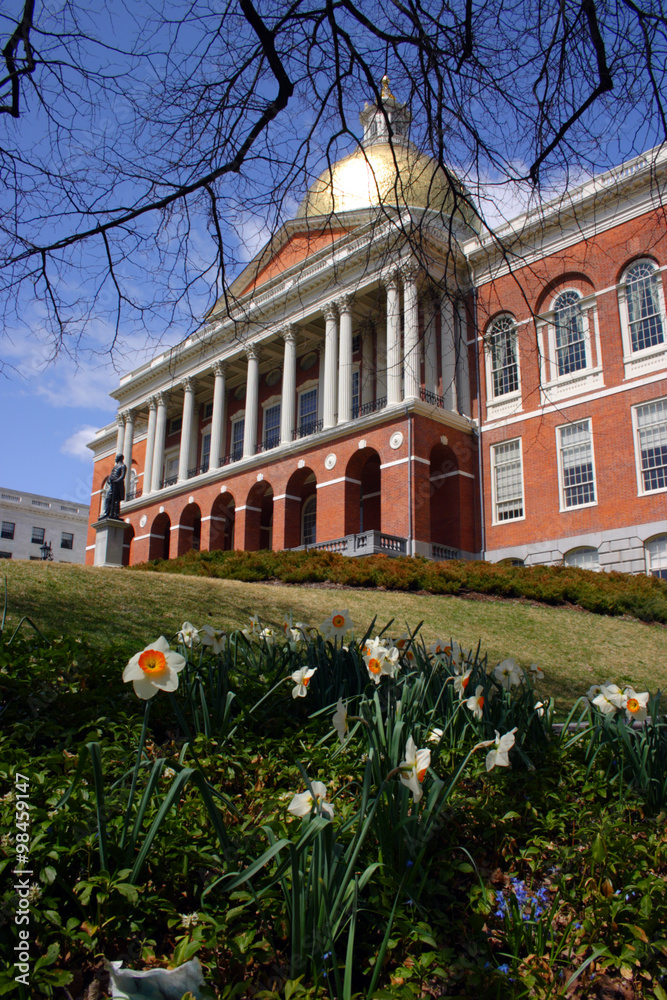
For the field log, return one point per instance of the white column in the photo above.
(251, 403)
(448, 353)
(127, 447)
(412, 374)
(186, 427)
(288, 396)
(120, 435)
(431, 352)
(160, 434)
(150, 447)
(218, 417)
(393, 342)
(366, 376)
(462, 364)
(380, 362)
(330, 365)
(345, 359)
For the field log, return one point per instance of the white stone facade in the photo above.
(28, 520)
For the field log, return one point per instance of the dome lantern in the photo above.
(376, 117)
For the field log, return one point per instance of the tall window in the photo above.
(309, 521)
(503, 355)
(238, 427)
(38, 536)
(507, 480)
(656, 556)
(205, 451)
(570, 342)
(355, 393)
(66, 540)
(7, 529)
(652, 433)
(272, 426)
(576, 464)
(308, 411)
(645, 321)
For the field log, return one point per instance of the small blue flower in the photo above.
(326, 955)
(577, 926)
(409, 864)
(503, 968)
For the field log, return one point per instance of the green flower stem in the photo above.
(140, 748)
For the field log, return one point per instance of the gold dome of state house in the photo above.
(394, 176)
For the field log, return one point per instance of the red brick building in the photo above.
(388, 379)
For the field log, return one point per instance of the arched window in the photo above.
(585, 557)
(103, 495)
(134, 479)
(656, 556)
(502, 348)
(309, 521)
(642, 284)
(570, 339)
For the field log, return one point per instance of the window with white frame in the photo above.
(171, 462)
(645, 305)
(569, 333)
(577, 472)
(507, 480)
(238, 429)
(656, 556)
(502, 357)
(652, 445)
(584, 557)
(355, 393)
(308, 411)
(272, 426)
(309, 521)
(205, 451)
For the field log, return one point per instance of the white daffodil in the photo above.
(539, 708)
(498, 755)
(405, 647)
(301, 678)
(508, 674)
(434, 735)
(461, 683)
(593, 691)
(268, 634)
(446, 649)
(255, 625)
(414, 767)
(340, 722)
(294, 630)
(635, 704)
(610, 699)
(379, 659)
(303, 802)
(154, 669)
(216, 638)
(188, 636)
(475, 704)
(536, 672)
(337, 624)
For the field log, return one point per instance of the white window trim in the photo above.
(268, 404)
(356, 367)
(313, 383)
(648, 358)
(496, 406)
(647, 558)
(641, 492)
(303, 514)
(561, 483)
(239, 415)
(553, 385)
(494, 498)
(583, 548)
(169, 454)
(204, 431)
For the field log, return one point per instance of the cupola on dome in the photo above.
(390, 175)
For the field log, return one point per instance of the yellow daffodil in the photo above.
(498, 755)
(508, 674)
(303, 802)
(340, 722)
(337, 624)
(476, 703)
(216, 638)
(301, 678)
(635, 704)
(414, 768)
(154, 669)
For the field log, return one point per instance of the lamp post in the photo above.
(46, 552)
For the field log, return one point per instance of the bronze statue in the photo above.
(116, 493)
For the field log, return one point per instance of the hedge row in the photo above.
(642, 597)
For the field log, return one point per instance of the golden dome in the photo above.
(398, 177)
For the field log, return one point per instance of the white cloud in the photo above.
(76, 444)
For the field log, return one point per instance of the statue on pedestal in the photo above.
(116, 493)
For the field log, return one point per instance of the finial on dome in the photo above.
(386, 89)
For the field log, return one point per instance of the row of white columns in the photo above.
(403, 379)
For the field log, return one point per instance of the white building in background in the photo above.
(28, 521)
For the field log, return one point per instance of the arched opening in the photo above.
(584, 557)
(363, 510)
(160, 538)
(103, 495)
(656, 556)
(445, 497)
(189, 529)
(127, 545)
(222, 522)
(259, 518)
(300, 526)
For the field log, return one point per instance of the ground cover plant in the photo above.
(334, 808)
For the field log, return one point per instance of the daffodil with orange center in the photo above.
(337, 624)
(379, 660)
(635, 704)
(414, 768)
(154, 669)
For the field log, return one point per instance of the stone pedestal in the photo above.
(109, 537)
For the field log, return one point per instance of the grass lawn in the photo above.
(574, 648)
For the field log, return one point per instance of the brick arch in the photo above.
(363, 481)
(444, 497)
(221, 522)
(301, 486)
(160, 537)
(633, 260)
(127, 545)
(560, 283)
(189, 529)
(254, 530)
